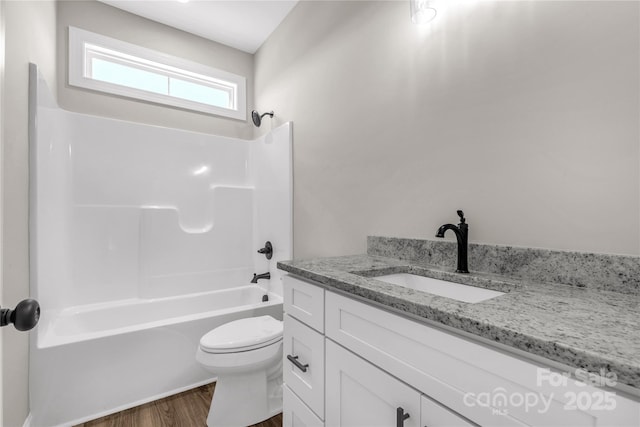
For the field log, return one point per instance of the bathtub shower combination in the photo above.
(143, 239)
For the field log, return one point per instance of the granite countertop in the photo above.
(586, 328)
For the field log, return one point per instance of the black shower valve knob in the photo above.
(267, 250)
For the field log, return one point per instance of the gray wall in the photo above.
(523, 114)
(112, 22)
(30, 37)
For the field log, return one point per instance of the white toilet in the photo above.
(246, 355)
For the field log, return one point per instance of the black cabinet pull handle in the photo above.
(400, 417)
(294, 360)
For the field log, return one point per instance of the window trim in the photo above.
(171, 66)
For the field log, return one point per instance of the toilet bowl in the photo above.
(246, 355)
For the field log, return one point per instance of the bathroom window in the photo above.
(108, 65)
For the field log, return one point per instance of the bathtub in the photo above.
(113, 356)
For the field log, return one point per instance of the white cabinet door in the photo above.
(360, 395)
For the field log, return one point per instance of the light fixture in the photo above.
(422, 11)
(183, 1)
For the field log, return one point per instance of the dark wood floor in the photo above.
(187, 409)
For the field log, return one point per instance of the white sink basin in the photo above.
(439, 287)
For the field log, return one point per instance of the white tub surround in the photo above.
(143, 238)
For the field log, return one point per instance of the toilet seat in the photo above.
(242, 335)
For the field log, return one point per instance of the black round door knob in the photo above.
(24, 317)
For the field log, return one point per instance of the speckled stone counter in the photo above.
(578, 326)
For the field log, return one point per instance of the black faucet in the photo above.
(462, 235)
(257, 277)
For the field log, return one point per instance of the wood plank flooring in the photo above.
(186, 409)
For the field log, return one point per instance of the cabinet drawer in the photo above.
(295, 413)
(432, 414)
(305, 374)
(305, 302)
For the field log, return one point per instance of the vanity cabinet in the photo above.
(379, 366)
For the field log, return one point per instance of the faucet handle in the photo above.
(267, 250)
(461, 215)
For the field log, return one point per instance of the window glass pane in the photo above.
(199, 93)
(123, 75)
(108, 65)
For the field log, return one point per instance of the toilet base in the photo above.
(241, 400)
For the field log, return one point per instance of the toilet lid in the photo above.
(242, 335)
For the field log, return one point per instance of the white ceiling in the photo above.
(243, 24)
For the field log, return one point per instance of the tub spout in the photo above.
(257, 277)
